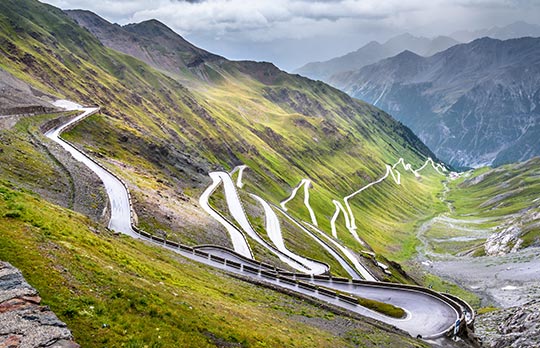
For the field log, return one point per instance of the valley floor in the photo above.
(453, 244)
(501, 281)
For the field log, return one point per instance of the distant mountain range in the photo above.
(373, 52)
(473, 104)
(511, 31)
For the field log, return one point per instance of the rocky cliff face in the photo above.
(511, 328)
(24, 323)
(18, 97)
(474, 104)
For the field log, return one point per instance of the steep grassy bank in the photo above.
(115, 291)
(32, 161)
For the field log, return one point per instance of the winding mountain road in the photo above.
(273, 230)
(238, 240)
(427, 315)
(306, 183)
(348, 253)
(240, 170)
(237, 212)
(391, 171)
(118, 196)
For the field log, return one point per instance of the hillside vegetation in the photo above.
(162, 130)
(163, 138)
(491, 211)
(115, 291)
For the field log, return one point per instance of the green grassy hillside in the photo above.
(500, 199)
(484, 206)
(163, 138)
(91, 277)
(149, 297)
(162, 130)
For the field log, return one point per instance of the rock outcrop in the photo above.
(512, 327)
(23, 321)
(508, 237)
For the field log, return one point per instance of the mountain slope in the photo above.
(290, 128)
(19, 97)
(149, 41)
(163, 138)
(473, 104)
(505, 198)
(373, 52)
(115, 291)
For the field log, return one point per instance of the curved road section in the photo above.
(240, 170)
(237, 211)
(118, 195)
(238, 240)
(273, 230)
(427, 315)
(306, 183)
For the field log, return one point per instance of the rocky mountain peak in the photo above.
(474, 104)
(401, 37)
(406, 54)
(155, 28)
(146, 41)
(372, 53)
(370, 45)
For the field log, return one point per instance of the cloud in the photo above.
(256, 20)
(233, 26)
(114, 10)
(265, 19)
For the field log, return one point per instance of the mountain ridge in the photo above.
(135, 39)
(162, 129)
(373, 52)
(163, 133)
(438, 92)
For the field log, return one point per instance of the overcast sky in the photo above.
(291, 33)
